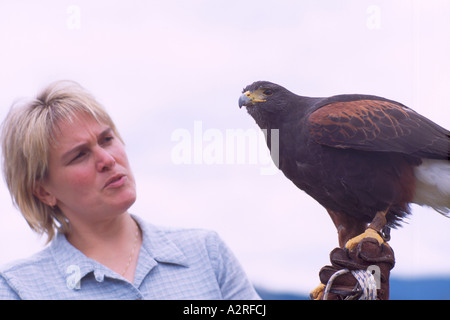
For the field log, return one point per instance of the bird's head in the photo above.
(265, 101)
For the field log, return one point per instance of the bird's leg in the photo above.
(377, 226)
(347, 226)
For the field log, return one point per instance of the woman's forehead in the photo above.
(79, 127)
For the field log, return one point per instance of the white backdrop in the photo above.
(170, 73)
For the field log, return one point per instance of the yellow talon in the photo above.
(369, 233)
(317, 293)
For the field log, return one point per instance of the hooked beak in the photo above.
(244, 100)
(249, 98)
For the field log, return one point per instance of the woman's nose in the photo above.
(104, 160)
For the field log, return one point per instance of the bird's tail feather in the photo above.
(433, 185)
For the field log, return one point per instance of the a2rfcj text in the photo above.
(232, 309)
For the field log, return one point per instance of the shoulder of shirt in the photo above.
(196, 245)
(190, 241)
(184, 236)
(183, 232)
(28, 265)
(175, 232)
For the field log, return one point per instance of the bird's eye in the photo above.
(268, 92)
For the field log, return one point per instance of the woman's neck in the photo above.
(115, 242)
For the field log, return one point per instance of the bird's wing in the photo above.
(375, 124)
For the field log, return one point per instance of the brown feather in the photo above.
(378, 125)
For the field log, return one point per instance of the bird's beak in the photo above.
(249, 98)
(244, 99)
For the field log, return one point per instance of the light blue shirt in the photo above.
(172, 264)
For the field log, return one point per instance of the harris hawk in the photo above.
(362, 157)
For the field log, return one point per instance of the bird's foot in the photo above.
(317, 293)
(369, 233)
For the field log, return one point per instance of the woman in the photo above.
(67, 171)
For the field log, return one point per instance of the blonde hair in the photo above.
(27, 134)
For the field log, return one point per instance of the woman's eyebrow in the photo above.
(67, 156)
(105, 133)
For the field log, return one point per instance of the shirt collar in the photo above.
(156, 248)
(72, 263)
(159, 246)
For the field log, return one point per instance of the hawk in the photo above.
(362, 157)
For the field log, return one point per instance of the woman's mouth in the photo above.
(115, 181)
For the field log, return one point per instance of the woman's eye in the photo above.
(106, 140)
(268, 92)
(79, 156)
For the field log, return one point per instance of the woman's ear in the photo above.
(41, 192)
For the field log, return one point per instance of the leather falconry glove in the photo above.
(367, 255)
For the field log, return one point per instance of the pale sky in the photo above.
(165, 68)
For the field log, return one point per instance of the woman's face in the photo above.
(89, 176)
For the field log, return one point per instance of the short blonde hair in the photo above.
(27, 134)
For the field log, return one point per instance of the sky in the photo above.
(170, 74)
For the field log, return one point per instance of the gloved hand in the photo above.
(368, 253)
